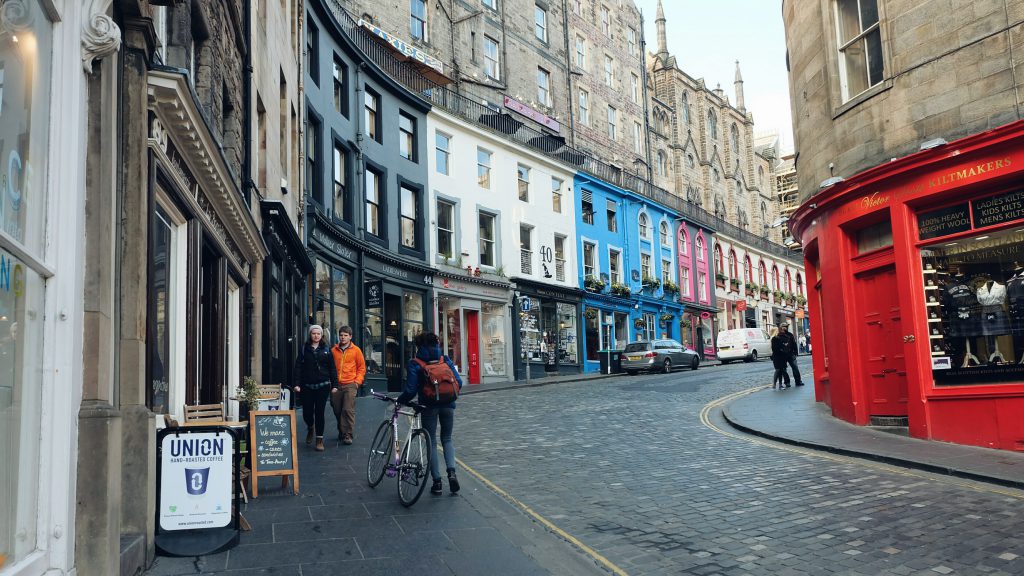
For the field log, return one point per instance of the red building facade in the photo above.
(915, 287)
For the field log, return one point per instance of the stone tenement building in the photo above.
(489, 48)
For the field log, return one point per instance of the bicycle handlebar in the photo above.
(385, 398)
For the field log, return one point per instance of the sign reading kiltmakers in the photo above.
(949, 220)
(998, 209)
(373, 293)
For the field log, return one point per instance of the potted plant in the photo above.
(685, 323)
(650, 283)
(800, 300)
(751, 288)
(670, 287)
(720, 279)
(620, 289)
(638, 323)
(734, 284)
(593, 283)
(248, 397)
(777, 294)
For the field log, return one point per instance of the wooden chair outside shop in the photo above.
(201, 412)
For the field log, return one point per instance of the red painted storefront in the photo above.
(915, 281)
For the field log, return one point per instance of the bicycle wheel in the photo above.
(414, 468)
(380, 452)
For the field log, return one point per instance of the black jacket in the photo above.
(783, 346)
(315, 365)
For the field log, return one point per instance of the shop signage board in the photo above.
(943, 221)
(272, 438)
(197, 512)
(741, 305)
(998, 209)
(373, 293)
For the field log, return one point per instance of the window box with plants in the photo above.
(650, 284)
(620, 289)
(670, 287)
(593, 284)
(777, 295)
(800, 300)
(734, 285)
(764, 292)
(720, 280)
(790, 298)
(751, 289)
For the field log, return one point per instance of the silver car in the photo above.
(660, 355)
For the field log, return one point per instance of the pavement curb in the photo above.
(533, 384)
(902, 462)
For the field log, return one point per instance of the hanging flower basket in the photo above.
(639, 324)
(666, 318)
(590, 313)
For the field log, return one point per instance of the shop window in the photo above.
(621, 330)
(648, 333)
(529, 322)
(412, 321)
(332, 289)
(874, 237)
(373, 342)
(974, 303)
(563, 327)
(163, 308)
(493, 319)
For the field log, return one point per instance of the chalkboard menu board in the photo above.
(272, 445)
(943, 221)
(998, 209)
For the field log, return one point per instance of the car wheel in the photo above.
(667, 366)
(753, 355)
(724, 362)
(695, 363)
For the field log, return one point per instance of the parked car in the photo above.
(661, 355)
(747, 344)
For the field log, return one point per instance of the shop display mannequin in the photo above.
(1015, 299)
(962, 313)
(994, 320)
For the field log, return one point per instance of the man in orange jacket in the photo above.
(348, 358)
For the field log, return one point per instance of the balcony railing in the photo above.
(526, 261)
(560, 269)
(555, 147)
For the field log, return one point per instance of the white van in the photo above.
(747, 344)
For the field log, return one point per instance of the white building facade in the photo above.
(500, 217)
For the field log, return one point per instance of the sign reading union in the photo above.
(998, 209)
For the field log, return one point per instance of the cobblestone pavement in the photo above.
(626, 466)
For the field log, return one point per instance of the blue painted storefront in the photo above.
(640, 228)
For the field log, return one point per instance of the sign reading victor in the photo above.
(943, 221)
(196, 480)
(998, 209)
(272, 438)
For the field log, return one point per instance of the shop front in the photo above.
(547, 329)
(608, 323)
(698, 329)
(475, 326)
(926, 253)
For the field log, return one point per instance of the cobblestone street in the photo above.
(626, 466)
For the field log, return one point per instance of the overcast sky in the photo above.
(707, 37)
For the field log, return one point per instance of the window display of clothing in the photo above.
(963, 312)
(1015, 298)
(992, 298)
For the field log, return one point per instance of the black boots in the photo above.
(453, 482)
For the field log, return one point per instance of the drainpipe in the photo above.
(643, 72)
(247, 183)
(568, 75)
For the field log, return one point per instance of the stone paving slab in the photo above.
(792, 416)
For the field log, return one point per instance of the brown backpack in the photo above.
(437, 383)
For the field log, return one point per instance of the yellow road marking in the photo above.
(547, 523)
(977, 486)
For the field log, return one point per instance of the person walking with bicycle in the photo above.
(428, 355)
(315, 378)
(351, 365)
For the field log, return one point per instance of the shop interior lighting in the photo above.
(980, 238)
(14, 38)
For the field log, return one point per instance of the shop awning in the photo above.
(501, 122)
(428, 66)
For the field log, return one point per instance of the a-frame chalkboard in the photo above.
(272, 446)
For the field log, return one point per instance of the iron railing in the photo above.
(554, 147)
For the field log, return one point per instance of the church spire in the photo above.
(660, 22)
(738, 83)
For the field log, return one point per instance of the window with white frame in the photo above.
(492, 4)
(645, 266)
(699, 245)
(371, 115)
(492, 65)
(666, 271)
(650, 326)
(418, 20)
(638, 139)
(860, 46)
(609, 70)
(611, 210)
(584, 105)
(445, 229)
(702, 286)
(631, 41)
(684, 281)
(612, 119)
(483, 168)
(589, 260)
(486, 235)
(661, 167)
(577, 7)
(634, 87)
(587, 211)
(540, 23)
(526, 249)
(559, 257)
(409, 211)
(664, 235)
(606, 21)
(645, 225)
(581, 52)
(443, 147)
(406, 137)
(523, 176)
(543, 87)
(341, 202)
(614, 266)
(373, 202)
(556, 195)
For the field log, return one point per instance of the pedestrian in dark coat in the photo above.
(316, 377)
(789, 345)
(780, 359)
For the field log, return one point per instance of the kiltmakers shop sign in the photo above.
(195, 481)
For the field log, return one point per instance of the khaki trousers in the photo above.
(344, 405)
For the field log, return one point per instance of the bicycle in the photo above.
(408, 461)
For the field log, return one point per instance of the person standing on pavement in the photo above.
(351, 366)
(788, 343)
(315, 378)
(780, 359)
(428, 349)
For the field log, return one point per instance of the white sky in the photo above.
(707, 37)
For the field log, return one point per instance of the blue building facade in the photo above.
(629, 267)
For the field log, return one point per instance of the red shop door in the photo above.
(882, 343)
(473, 345)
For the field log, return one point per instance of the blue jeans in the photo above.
(796, 371)
(446, 415)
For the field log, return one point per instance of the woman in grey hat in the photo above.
(315, 377)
